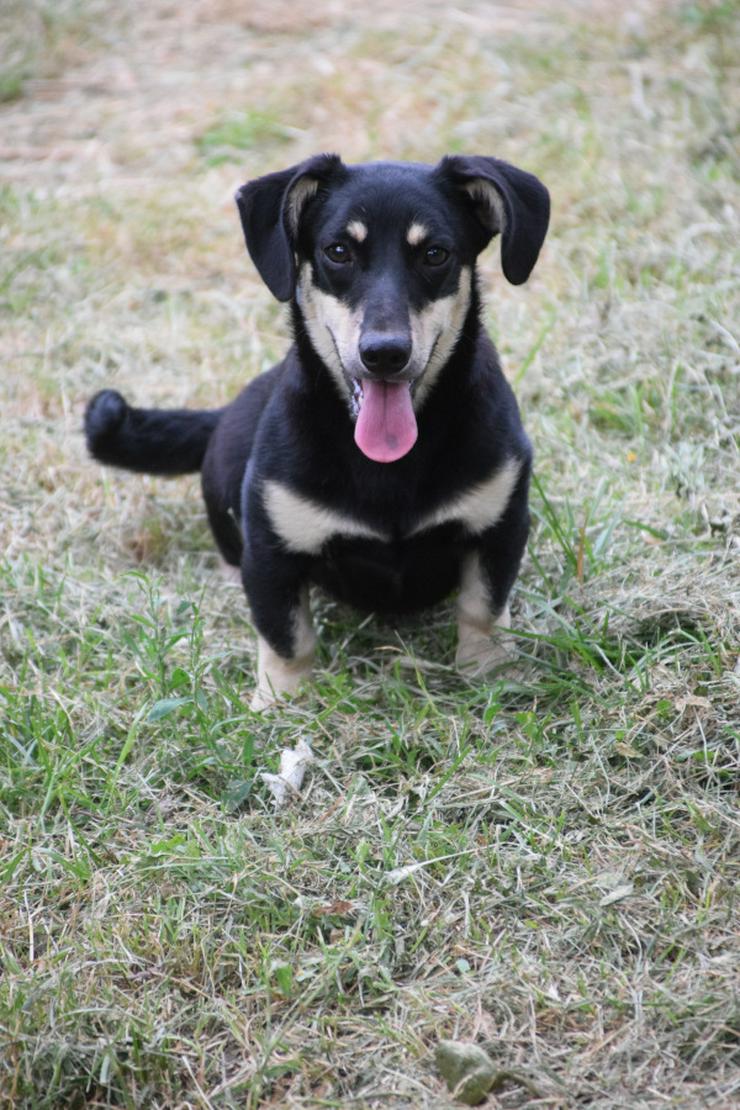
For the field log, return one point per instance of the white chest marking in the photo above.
(481, 506)
(305, 526)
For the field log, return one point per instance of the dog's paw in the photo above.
(277, 678)
(480, 653)
(263, 699)
(271, 691)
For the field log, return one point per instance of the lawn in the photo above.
(546, 864)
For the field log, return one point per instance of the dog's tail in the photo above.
(152, 441)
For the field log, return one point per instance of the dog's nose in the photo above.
(384, 354)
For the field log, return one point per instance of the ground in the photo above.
(545, 866)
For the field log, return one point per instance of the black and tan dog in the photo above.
(383, 459)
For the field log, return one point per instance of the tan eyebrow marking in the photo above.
(415, 234)
(358, 230)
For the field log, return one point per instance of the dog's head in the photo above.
(380, 261)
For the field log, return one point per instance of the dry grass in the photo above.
(550, 868)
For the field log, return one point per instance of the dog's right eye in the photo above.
(436, 256)
(337, 252)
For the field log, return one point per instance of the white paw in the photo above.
(262, 699)
(232, 574)
(277, 678)
(479, 653)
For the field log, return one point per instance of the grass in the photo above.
(41, 38)
(546, 866)
(226, 140)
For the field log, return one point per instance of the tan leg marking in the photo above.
(232, 574)
(482, 643)
(278, 678)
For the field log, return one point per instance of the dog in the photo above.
(384, 458)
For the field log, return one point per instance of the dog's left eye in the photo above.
(337, 252)
(436, 256)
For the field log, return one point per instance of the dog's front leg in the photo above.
(277, 590)
(483, 618)
(482, 643)
(279, 676)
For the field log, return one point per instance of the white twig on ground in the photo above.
(288, 781)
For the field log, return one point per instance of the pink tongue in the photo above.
(386, 427)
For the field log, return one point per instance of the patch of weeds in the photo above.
(631, 411)
(715, 16)
(41, 37)
(673, 626)
(25, 276)
(226, 140)
(581, 535)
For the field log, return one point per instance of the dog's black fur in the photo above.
(375, 259)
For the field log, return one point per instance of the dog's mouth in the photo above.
(385, 425)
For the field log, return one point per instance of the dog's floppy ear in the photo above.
(506, 200)
(270, 210)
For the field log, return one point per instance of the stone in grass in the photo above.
(468, 1070)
